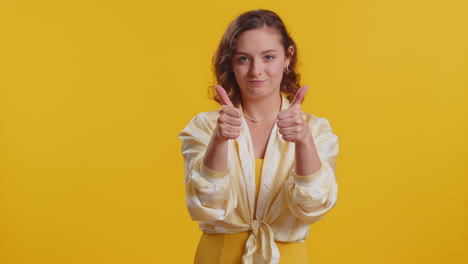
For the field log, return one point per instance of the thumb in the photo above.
(299, 96)
(223, 95)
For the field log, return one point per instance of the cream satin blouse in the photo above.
(223, 202)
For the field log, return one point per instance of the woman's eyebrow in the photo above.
(245, 53)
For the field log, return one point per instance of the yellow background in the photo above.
(93, 94)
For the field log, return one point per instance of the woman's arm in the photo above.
(311, 189)
(228, 127)
(306, 156)
(294, 129)
(311, 195)
(205, 150)
(209, 196)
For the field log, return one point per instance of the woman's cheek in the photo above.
(237, 72)
(278, 68)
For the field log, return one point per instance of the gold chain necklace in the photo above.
(261, 120)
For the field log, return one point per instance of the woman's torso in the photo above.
(229, 248)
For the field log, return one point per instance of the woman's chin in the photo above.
(258, 93)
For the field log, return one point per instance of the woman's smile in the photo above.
(257, 82)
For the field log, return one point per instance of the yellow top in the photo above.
(258, 174)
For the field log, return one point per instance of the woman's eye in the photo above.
(269, 57)
(243, 58)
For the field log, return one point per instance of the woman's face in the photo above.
(258, 63)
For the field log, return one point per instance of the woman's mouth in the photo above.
(256, 82)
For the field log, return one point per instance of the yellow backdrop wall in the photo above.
(93, 94)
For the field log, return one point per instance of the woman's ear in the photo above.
(289, 54)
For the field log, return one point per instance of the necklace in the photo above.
(260, 120)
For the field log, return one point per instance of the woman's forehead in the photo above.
(258, 41)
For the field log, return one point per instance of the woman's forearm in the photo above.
(216, 153)
(307, 158)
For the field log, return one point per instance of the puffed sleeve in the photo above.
(310, 197)
(208, 193)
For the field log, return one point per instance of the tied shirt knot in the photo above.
(261, 247)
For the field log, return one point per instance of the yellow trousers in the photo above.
(229, 248)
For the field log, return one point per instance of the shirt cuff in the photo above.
(308, 179)
(211, 175)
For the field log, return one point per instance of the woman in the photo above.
(259, 171)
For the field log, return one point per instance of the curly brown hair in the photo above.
(222, 64)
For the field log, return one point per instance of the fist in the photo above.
(290, 121)
(230, 118)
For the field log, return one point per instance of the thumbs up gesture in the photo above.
(230, 118)
(290, 121)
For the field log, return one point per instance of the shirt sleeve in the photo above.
(208, 193)
(310, 197)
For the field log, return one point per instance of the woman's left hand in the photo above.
(290, 121)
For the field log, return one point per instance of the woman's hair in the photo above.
(222, 59)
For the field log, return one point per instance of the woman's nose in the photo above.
(256, 68)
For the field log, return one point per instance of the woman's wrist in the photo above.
(306, 141)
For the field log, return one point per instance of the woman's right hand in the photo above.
(230, 118)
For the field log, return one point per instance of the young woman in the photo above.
(259, 171)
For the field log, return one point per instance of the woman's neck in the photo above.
(263, 107)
